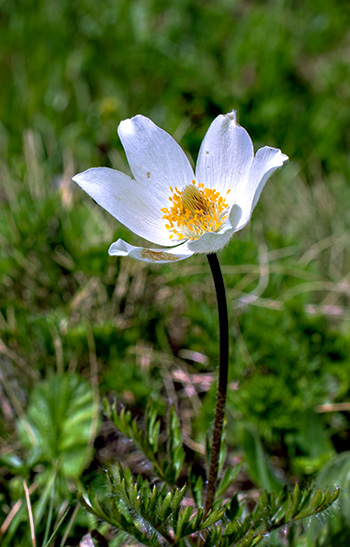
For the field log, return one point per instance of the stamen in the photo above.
(195, 211)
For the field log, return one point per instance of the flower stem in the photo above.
(222, 382)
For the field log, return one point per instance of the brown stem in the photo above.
(222, 382)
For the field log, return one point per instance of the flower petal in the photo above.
(155, 158)
(211, 242)
(160, 256)
(266, 161)
(225, 155)
(133, 204)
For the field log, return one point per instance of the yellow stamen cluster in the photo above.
(195, 211)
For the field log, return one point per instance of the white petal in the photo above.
(225, 156)
(266, 161)
(211, 242)
(155, 158)
(159, 256)
(130, 202)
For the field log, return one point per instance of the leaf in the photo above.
(60, 414)
(315, 440)
(213, 517)
(182, 523)
(175, 449)
(258, 466)
(167, 464)
(228, 479)
(314, 443)
(130, 505)
(196, 487)
(152, 426)
(56, 529)
(335, 473)
(213, 537)
(232, 508)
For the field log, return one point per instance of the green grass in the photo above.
(71, 71)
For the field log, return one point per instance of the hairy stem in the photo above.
(222, 382)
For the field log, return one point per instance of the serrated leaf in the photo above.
(305, 499)
(174, 429)
(60, 415)
(248, 540)
(164, 510)
(313, 505)
(152, 425)
(151, 500)
(178, 460)
(196, 487)
(292, 503)
(256, 541)
(213, 537)
(175, 451)
(228, 479)
(213, 517)
(178, 496)
(182, 521)
(167, 468)
(196, 520)
(132, 506)
(261, 510)
(232, 508)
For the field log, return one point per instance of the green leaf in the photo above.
(183, 522)
(213, 537)
(167, 464)
(258, 466)
(131, 505)
(315, 440)
(196, 487)
(60, 414)
(57, 527)
(213, 517)
(152, 426)
(228, 479)
(314, 443)
(175, 451)
(232, 508)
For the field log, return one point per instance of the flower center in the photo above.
(195, 211)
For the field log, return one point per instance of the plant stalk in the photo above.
(222, 381)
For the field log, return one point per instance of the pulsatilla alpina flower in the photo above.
(167, 203)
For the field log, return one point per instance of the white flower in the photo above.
(167, 203)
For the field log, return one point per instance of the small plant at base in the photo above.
(163, 514)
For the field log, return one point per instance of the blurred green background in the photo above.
(76, 324)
